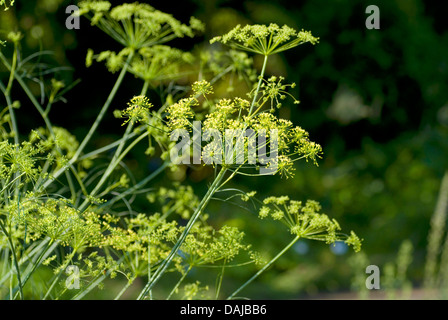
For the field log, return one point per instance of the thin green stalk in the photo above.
(59, 274)
(164, 265)
(105, 107)
(259, 85)
(105, 148)
(14, 125)
(12, 70)
(5, 260)
(35, 264)
(113, 165)
(14, 258)
(137, 186)
(264, 268)
(97, 121)
(118, 155)
(126, 287)
(149, 264)
(11, 182)
(25, 258)
(95, 283)
(221, 276)
(179, 282)
(438, 221)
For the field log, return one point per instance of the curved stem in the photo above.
(264, 268)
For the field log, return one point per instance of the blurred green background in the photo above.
(376, 100)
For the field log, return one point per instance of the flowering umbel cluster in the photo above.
(305, 220)
(159, 62)
(137, 25)
(265, 40)
(231, 118)
(137, 110)
(143, 31)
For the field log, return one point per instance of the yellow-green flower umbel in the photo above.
(265, 40)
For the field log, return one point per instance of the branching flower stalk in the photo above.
(90, 215)
(276, 37)
(14, 260)
(260, 81)
(303, 221)
(139, 103)
(97, 121)
(162, 268)
(42, 112)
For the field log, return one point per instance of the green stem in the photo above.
(164, 265)
(14, 256)
(145, 88)
(118, 155)
(69, 259)
(25, 258)
(92, 285)
(97, 121)
(137, 186)
(149, 264)
(36, 263)
(105, 107)
(264, 268)
(12, 114)
(259, 85)
(438, 222)
(126, 287)
(11, 182)
(105, 148)
(109, 170)
(179, 282)
(12, 70)
(221, 276)
(95, 283)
